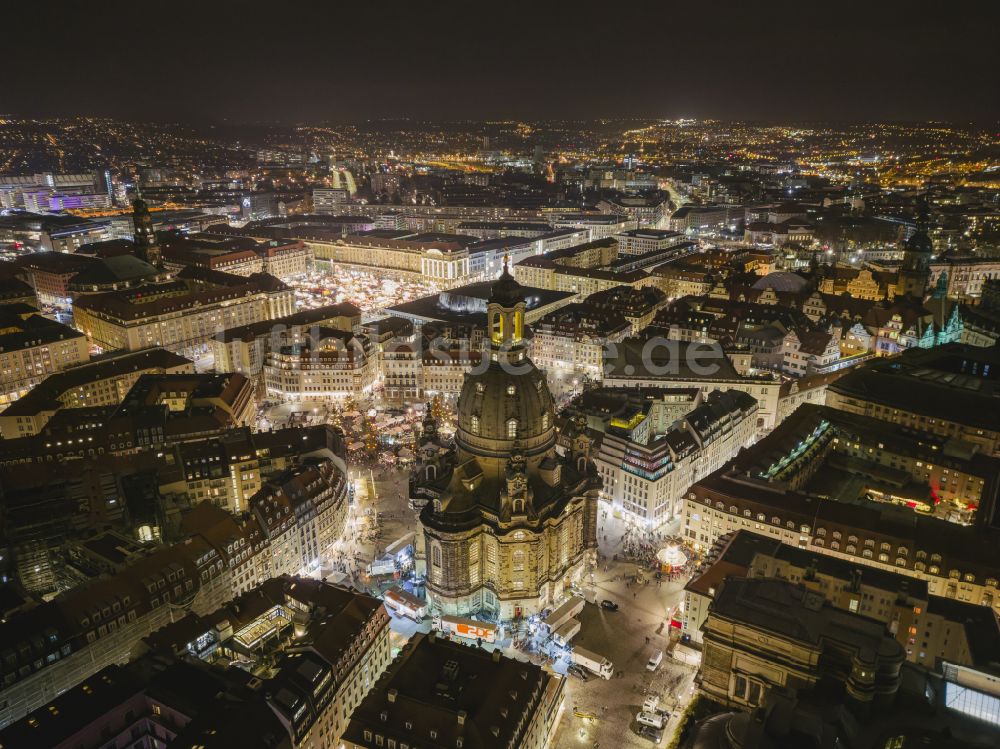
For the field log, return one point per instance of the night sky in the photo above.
(308, 62)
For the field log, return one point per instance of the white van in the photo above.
(653, 720)
(654, 661)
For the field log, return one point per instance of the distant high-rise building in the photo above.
(276, 157)
(104, 177)
(326, 199)
(383, 182)
(260, 205)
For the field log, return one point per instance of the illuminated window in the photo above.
(512, 429)
(474, 425)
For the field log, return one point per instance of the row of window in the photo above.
(868, 546)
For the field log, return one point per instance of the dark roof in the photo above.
(794, 612)
(114, 269)
(708, 363)
(455, 690)
(46, 393)
(467, 304)
(302, 317)
(34, 330)
(73, 710)
(739, 549)
(954, 382)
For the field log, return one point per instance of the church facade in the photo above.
(508, 523)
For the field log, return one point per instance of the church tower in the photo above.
(511, 522)
(146, 247)
(915, 272)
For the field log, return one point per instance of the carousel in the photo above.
(671, 558)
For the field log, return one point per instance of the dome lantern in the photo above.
(505, 310)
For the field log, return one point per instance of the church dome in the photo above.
(781, 281)
(500, 410)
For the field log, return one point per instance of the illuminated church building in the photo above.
(508, 523)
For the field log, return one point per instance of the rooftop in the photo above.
(793, 611)
(439, 691)
(955, 382)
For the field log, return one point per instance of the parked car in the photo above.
(654, 661)
(609, 605)
(578, 672)
(653, 734)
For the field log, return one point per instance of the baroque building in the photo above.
(146, 246)
(508, 522)
(914, 275)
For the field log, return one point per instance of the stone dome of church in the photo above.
(505, 408)
(781, 281)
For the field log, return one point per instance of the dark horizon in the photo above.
(779, 62)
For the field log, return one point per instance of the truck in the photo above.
(401, 603)
(564, 613)
(566, 632)
(686, 654)
(468, 628)
(385, 566)
(593, 662)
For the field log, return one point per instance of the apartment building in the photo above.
(101, 383)
(328, 646)
(245, 349)
(860, 489)
(641, 241)
(655, 443)
(183, 314)
(330, 364)
(947, 391)
(576, 337)
(32, 347)
(931, 629)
